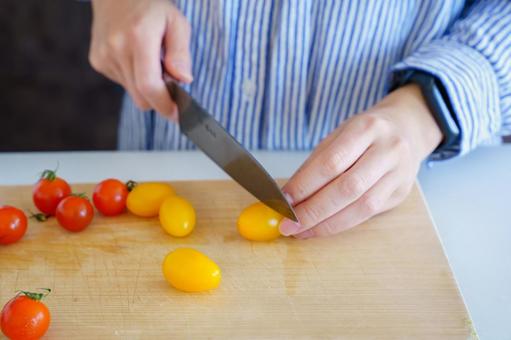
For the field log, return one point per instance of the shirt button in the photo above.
(249, 88)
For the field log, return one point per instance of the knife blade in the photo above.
(221, 147)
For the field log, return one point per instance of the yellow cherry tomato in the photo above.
(146, 198)
(189, 270)
(257, 222)
(177, 216)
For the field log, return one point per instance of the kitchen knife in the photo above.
(209, 136)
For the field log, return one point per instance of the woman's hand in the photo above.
(366, 166)
(126, 46)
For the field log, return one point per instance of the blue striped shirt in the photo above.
(282, 74)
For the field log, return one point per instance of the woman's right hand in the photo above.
(127, 41)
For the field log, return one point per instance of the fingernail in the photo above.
(183, 69)
(288, 227)
(304, 235)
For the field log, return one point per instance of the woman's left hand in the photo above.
(366, 166)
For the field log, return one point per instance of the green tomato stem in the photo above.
(49, 175)
(36, 296)
(80, 194)
(130, 185)
(39, 217)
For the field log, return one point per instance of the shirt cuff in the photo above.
(470, 85)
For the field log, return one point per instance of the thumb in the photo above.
(177, 58)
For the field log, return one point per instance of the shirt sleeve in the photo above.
(473, 63)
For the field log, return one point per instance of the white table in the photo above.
(469, 199)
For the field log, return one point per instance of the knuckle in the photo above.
(332, 164)
(309, 214)
(298, 192)
(138, 32)
(399, 144)
(297, 187)
(352, 186)
(146, 86)
(115, 42)
(337, 202)
(371, 204)
(370, 121)
(374, 122)
(329, 228)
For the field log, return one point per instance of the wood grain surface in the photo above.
(387, 278)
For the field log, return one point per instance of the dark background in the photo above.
(50, 98)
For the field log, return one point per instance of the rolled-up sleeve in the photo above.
(473, 63)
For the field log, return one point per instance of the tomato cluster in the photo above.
(52, 196)
(185, 269)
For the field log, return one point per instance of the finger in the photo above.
(377, 161)
(128, 87)
(333, 160)
(117, 74)
(371, 203)
(148, 76)
(321, 146)
(100, 60)
(127, 70)
(177, 58)
(326, 142)
(113, 73)
(112, 59)
(399, 194)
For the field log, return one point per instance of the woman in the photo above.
(373, 87)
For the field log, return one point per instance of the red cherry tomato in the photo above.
(49, 191)
(25, 316)
(110, 197)
(13, 224)
(75, 213)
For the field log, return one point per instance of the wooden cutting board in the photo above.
(388, 278)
